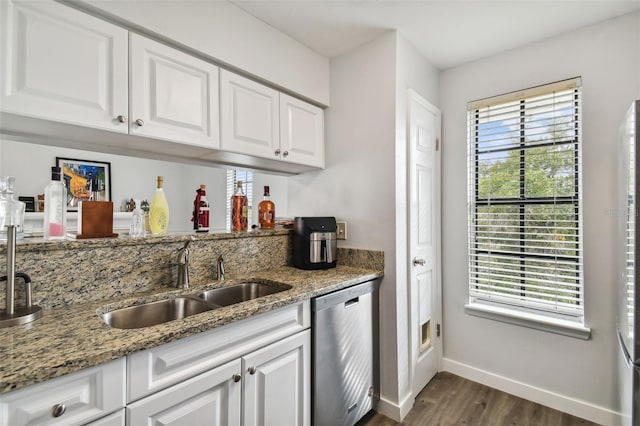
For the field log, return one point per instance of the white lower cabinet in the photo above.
(277, 382)
(115, 419)
(211, 398)
(74, 399)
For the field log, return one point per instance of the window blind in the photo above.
(525, 227)
(247, 185)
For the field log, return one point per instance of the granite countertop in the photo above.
(74, 337)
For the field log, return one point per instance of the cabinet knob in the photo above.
(58, 410)
(251, 370)
(121, 118)
(140, 122)
(236, 377)
(277, 152)
(286, 153)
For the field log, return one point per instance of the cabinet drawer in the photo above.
(86, 395)
(157, 368)
(115, 419)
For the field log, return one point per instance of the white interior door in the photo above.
(424, 239)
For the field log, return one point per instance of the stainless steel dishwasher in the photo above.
(343, 355)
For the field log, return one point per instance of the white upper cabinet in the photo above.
(301, 132)
(60, 64)
(174, 96)
(259, 121)
(249, 116)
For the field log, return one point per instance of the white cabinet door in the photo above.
(249, 117)
(115, 419)
(73, 399)
(174, 96)
(60, 64)
(301, 132)
(277, 383)
(212, 398)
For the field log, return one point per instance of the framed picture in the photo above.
(85, 180)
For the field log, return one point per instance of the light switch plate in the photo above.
(341, 231)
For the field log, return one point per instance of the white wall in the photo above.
(364, 182)
(607, 57)
(226, 33)
(136, 178)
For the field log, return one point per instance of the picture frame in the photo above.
(85, 180)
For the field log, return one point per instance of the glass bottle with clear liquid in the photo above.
(11, 210)
(55, 207)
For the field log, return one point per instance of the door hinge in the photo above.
(437, 330)
(437, 144)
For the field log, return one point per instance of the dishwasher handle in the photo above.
(352, 302)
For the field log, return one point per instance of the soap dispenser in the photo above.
(11, 210)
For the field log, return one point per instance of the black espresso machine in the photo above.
(314, 242)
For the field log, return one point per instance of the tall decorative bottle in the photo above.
(266, 211)
(55, 207)
(239, 209)
(201, 210)
(159, 211)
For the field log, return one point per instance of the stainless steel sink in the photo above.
(238, 293)
(154, 313)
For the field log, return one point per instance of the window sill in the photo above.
(530, 320)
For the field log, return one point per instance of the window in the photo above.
(247, 185)
(525, 226)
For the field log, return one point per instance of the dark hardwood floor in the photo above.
(451, 400)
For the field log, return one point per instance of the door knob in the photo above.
(277, 152)
(236, 378)
(121, 118)
(251, 370)
(140, 122)
(417, 262)
(285, 154)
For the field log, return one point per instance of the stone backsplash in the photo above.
(71, 271)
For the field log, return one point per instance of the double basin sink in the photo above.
(180, 307)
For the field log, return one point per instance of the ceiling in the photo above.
(447, 33)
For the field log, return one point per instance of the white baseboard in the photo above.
(394, 411)
(544, 397)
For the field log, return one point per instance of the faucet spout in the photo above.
(183, 265)
(221, 268)
(11, 270)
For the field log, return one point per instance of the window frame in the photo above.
(525, 311)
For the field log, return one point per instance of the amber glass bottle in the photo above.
(266, 211)
(239, 209)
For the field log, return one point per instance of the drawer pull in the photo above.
(236, 377)
(58, 410)
(251, 370)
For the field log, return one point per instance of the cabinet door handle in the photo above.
(140, 122)
(277, 152)
(122, 118)
(236, 378)
(251, 370)
(285, 154)
(58, 410)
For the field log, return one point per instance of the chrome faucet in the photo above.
(221, 268)
(183, 266)
(13, 315)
